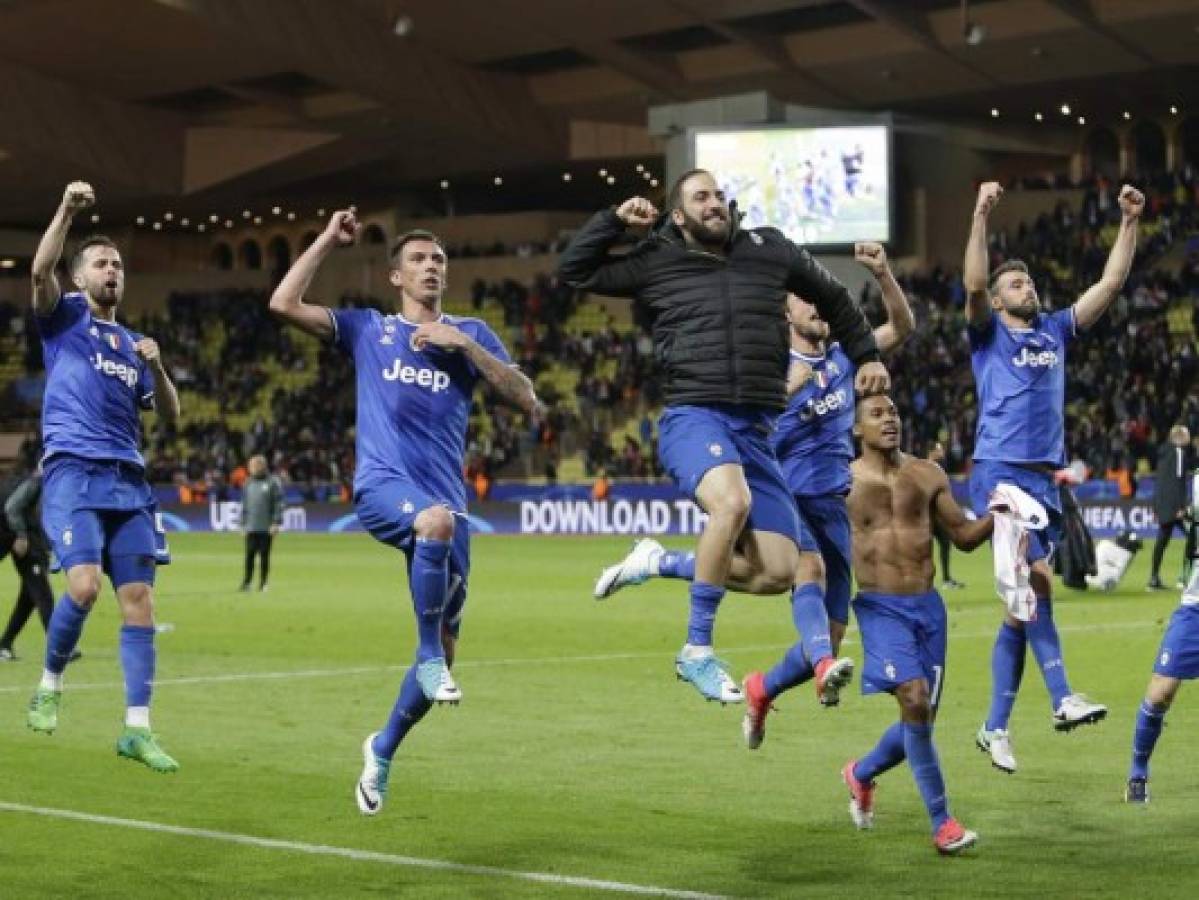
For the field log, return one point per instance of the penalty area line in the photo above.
(372, 856)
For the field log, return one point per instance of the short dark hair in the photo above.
(416, 234)
(92, 240)
(1011, 265)
(674, 200)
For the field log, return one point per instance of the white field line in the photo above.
(517, 661)
(350, 853)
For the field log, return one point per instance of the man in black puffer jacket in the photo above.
(715, 296)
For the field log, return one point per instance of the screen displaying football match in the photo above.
(827, 185)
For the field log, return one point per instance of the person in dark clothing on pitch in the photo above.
(1174, 465)
(261, 519)
(21, 535)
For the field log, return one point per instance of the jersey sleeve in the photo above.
(69, 309)
(347, 325)
(1064, 324)
(145, 385)
(982, 335)
(491, 342)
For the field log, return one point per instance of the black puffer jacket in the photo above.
(719, 323)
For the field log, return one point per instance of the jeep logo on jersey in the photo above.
(822, 406)
(1034, 359)
(114, 369)
(429, 378)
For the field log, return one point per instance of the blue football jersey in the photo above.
(1020, 374)
(96, 384)
(413, 406)
(814, 437)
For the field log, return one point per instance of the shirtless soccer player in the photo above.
(894, 504)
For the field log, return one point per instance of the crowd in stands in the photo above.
(1130, 378)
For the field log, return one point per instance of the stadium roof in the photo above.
(218, 100)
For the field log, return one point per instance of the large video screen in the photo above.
(829, 185)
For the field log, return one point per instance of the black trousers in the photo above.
(258, 543)
(35, 593)
(1165, 531)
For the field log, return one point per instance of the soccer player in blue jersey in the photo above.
(716, 296)
(97, 508)
(814, 443)
(417, 370)
(895, 501)
(1177, 661)
(1018, 353)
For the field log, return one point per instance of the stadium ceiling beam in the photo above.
(769, 48)
(103, 139)
(918, 30)
(1081, 13)
(660, 75)
(338, 44)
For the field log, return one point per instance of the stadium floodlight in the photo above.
(973, 33)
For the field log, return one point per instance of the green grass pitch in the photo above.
(574, 753)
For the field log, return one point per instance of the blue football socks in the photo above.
(1007, 668)
(429, 580)
(1150, 719)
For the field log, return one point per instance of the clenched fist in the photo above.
(637, 211)
(77, 196)
(343, 227)
(989, 193)
(1132, 202)
(872, 378)
(872, 256)
(147, 349)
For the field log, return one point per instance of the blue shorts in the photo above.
(388, 510)
(694, 439)
(826, 518)
(987, 473)
(903, 638)
(102, 513)
(1178, 656)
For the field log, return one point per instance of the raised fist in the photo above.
(343, 227)
(78, 195)
(872, 256)
(637, 211)
(1132, 202)
(989, 193)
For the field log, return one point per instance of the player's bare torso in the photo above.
(890, 510)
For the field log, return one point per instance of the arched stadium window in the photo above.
(1149, 143)
(373, 234)
(279, 253)
(1103, 152)
(249, 255)
(1188, 137)
(222, 256)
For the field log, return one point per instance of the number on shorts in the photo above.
(935, 694)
